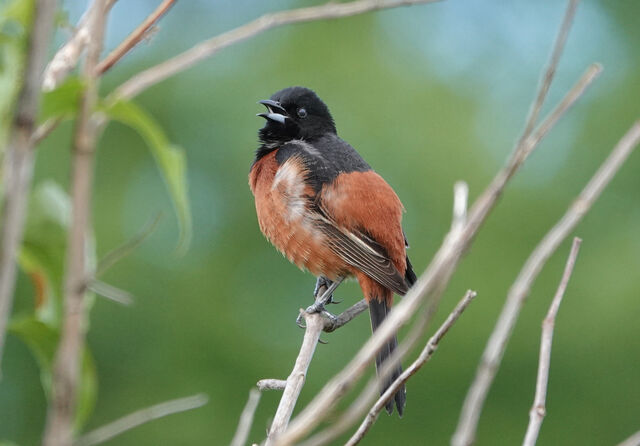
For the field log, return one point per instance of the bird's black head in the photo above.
(294, 113)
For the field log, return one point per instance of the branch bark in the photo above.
(295, 381)
(67, 57)
(538, 410)
(134, 38)
(492, 356)
(208, 48)
(633, 440)
(61, 412)
(19, 158)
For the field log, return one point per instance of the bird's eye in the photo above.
(302, 113)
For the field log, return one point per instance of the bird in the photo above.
(323, 206)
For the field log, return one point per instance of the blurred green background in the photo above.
(428, 95)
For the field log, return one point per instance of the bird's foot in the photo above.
(326, 283)
(326, 298)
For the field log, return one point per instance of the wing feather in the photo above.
(370, 258)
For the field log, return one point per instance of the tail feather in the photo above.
(409, 275)
(378, 311)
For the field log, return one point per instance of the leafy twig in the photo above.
(61, 412)
(19, 158)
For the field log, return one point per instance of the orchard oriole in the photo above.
(321, 205)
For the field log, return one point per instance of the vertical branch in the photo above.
(61, 413)
(295, 381)
(67, 57)
(538, 410)
(19, 158)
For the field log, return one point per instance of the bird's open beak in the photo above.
(276, 113)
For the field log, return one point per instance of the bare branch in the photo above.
(208, 48)
(431, 283)
(135, 419)
(271, 384)
(424, 356)
(633, 440)
(538, 410)
(295, 381)
(546, 80)
(346, 316)
(497, 343)
(135, 37)
(61, 412)
(19, 157)
(246, 419)
(44, 130)
(67, 57)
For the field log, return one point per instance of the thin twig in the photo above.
(314, 326)
(44, 130)
(424, 356)
(122, 251)
(271, 384)
(208, 48)
(545, 82)
(67, 57)
(134, 38)
(467, 425)
(430, 284)
(633, 440)
(19, 157)
(346, 316)
(140, 417)
(246, 419)
(66, 370)
(111, 292)
(538, 410)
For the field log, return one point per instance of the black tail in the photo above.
(378, 311)
(409, 275)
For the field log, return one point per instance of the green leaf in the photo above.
(43, 250)
(42, 341)
(62, 102)
(170, 160)
(88, 389)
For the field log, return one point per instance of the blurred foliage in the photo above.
(15, 22)
(170, 158)
(428, 95)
